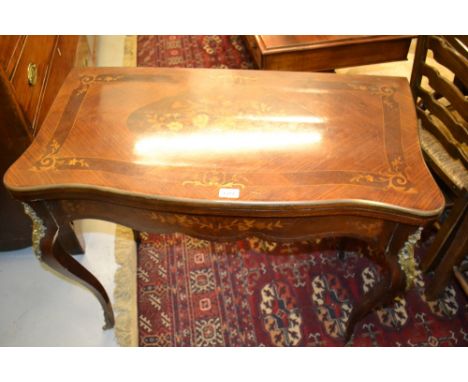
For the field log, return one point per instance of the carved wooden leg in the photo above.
(398, 271)
(390, 284)
(49, 250)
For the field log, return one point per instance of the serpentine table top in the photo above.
(227, 153)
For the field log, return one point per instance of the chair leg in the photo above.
(461, 279)
(455, 253)
(446, 232)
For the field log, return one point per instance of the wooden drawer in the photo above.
(37, 51)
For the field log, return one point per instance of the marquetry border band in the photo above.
(393, 178)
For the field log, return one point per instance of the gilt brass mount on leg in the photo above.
(406, 258)
(38, 230)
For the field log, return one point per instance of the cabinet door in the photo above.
(63, 60)
(10, 50)
(15, 226)
(30, 74)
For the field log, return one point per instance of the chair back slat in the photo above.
(447, 56)
(447, 89)
(459, 43)
(453, 147)
(437, 82)
(458, 131)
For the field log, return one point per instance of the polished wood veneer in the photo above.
(283, 140)
(225, 154)
(324, 52)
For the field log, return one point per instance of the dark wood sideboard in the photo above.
(32, 69)
(324, 53)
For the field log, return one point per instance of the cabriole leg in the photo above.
(47, 248)
(398, 266)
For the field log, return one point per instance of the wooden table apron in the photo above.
(57, 184)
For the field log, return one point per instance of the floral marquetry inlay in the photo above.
(373, 89)
(394, 178)
(214, 225)
(52, 161)
(186, 112)
(217, 179)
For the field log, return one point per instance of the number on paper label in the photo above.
(232, 193)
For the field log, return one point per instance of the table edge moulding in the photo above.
(222, 155)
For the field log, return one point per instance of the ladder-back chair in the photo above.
(439, 81)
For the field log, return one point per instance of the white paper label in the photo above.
(232, 193)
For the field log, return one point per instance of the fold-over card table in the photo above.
(224, 154)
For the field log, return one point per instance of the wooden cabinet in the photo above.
(30, 75)
(32, 69)
(324, 53)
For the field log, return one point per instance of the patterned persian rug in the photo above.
(253, 292)
(193, 52)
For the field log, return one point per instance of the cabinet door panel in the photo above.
(10, 50)
(31, 73)
(62, 61)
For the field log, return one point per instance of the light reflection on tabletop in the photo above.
(154, 149)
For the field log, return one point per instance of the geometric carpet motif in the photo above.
(220, 52)
(253, 292)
